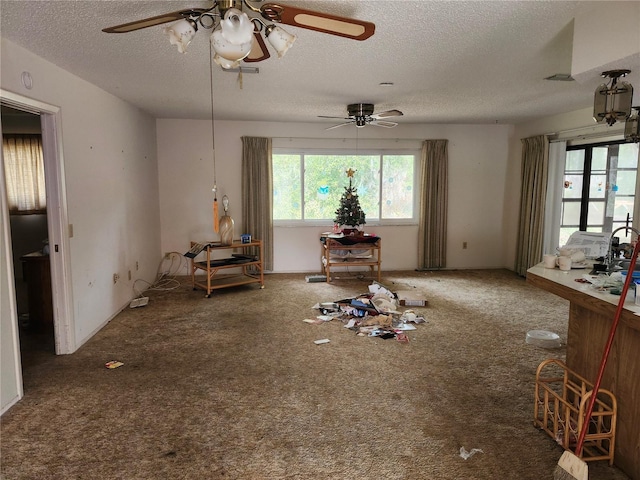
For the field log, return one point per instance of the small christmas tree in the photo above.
(349, 213)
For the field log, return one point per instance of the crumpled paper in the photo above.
(465, 455)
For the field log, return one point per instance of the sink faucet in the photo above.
(609, 260)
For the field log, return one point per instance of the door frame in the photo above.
(57, 219)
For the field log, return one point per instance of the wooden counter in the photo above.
(590, 316)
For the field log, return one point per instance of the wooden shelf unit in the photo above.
(212, 264)
(355, 256)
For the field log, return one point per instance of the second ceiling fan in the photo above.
(362, 114)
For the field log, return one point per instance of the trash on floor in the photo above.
(113, 364)
(376, 313)
(321, 341)
(543, 338)
(411, 299)
(139, 302)
(466, 455)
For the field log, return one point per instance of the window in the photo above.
(599, 188)
(24, 173)
(307, 186)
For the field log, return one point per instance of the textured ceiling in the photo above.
(450, 62)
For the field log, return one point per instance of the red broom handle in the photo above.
(607, 349)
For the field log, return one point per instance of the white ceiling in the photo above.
(450, 61)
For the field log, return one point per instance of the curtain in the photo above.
(24, 173)
(257, 194)
(432, 225)
(535, 164)
(553, 203)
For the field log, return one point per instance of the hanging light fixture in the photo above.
(181, 33)
(612, 101)
(233, 40)
(279, 39)
(632, 127)
(233, 35)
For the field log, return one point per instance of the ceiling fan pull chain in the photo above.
(240, 78)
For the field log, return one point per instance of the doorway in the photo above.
(57, 220)
(22, 133)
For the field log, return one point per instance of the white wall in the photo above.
(478, 156)
(111, 181)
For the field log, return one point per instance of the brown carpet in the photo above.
(233, 387)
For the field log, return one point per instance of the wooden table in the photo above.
(357, 251)
(246, 267)
(591, 314)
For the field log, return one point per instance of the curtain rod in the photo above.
(616, 131)
(347, 138)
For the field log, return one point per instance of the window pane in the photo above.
(598, 186)
(367, 181)
(628, 155)
(571, 214)
(324, 178)
(565, 233)
(626, 182)
(575, 161)
(623, 207)
(397, 186)
(572, 186)
(595, 214)
(599, 158)
(287, 194)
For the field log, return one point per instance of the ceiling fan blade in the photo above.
(153, 21)
(318, 21)
(383, 123)
(387, 114)
(339, 118)
(258, 51)
(340, 125)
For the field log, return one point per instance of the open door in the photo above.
(58, 229)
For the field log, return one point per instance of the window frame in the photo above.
(608, 223)
(381, 152)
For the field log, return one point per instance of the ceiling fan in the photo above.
(362, 114)
(237, 26)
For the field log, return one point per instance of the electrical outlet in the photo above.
(116, 277)
(464, 245)
(137, 266)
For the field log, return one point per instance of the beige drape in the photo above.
(535, 165)
(432, 224)
(24, 173)
(257, 196)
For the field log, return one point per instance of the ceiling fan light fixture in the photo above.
(229, 51)
(236, 27)
(181, 33)
(612, 101)
(225, 63)
(279, 39)
(233, 40)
